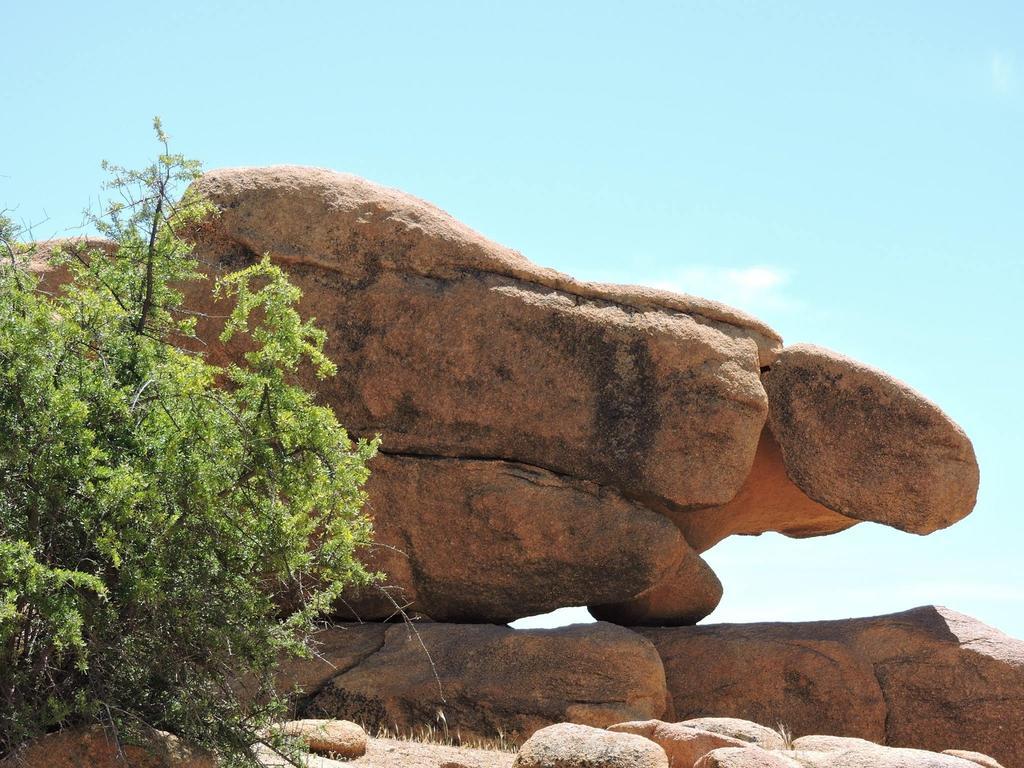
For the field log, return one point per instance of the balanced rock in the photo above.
(867, 446)
(683, 745)
(469, 540)
(487, 681)
(689, 593)
(567, 745)
(925, 678)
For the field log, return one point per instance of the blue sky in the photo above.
(853, 173)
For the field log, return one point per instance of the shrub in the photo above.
(167, 526)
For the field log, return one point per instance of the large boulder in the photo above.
(867, 446)
(567, 745)
(451, 345)
(485, 681)
(928, 678)
(471, 540)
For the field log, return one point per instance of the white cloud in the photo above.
(1003, 71)
(753, 289)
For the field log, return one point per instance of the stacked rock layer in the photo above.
(545, 440)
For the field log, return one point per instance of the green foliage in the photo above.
(167, 526)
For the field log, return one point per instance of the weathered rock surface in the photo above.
(465, 540)
(568, 745)
(867, 446)
(451, 345)
(690, 592)
(826, 743)
(683, 745)
(737, 728)
(493, 680)
(974, 757)
(745, 757)
(334, 738)
(927, 678)
(875, 757)
(336, 650)
(768, 501)
(97, 747)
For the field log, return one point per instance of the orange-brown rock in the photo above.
(489, 680)
(98, 747)
(690, 592)
(683, 745)
(43, 252)
(925, 678)
(470, 540)
(334, 738)
(568, 745)
(451, 345)
(767, 501)
(867, 446)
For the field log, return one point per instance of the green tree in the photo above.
(167, 526)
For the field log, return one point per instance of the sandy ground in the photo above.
(395, 753)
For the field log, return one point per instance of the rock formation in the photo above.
(549, 442)
(522, 409)
(928, 678)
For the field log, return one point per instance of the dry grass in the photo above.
(439, 733)
(787, 735)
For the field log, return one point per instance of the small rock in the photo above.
(336, 738)
(567, 745)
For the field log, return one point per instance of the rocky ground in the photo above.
(709, 742)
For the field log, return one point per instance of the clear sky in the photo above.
(853, 173)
